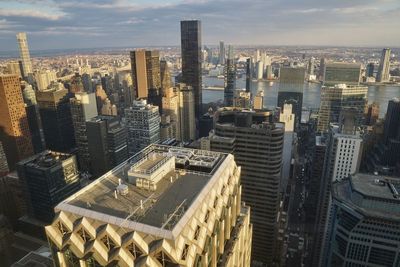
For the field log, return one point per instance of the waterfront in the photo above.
(311, 97)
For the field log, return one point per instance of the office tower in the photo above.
(313, 199)
(107, 143)
(206, 123)
(321, 72)
(145, 67)
(143, 123)
(365, 226)
(260, 70)
(384, 66)
(48, 178)
(101, 97)
(24, 55)
(386, 154)
(258, 101)
(107, 82)
(55, 113)
(165, 76)
(343, 157)
(310, 67)
(3, 162)
(268, 72)
(221, 59)
(87, 83)
(249, 72)
(288, 118)
(14, 128)
(191, 60)
(230, 79)
(335, 99)
(34, 122)
(342, 73)
(76, 84)
(187, 117)
(291, 86)
(257, 145)
(166, 130)
(44, 78)
(371, 114)
(83, 108)
(170, 104)
(370, 69)
(143, 217)
(242, 99)
(13, 68)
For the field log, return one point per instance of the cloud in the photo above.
(93, 23)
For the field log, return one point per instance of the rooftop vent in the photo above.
(379, 182)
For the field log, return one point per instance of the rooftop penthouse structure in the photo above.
(165, 206)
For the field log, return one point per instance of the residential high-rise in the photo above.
(44, 78)
(14, 68)
(83, 108)
(230, 79)
(143, 124)
(24, 55)
(14, 128)
(107, 143)
(55, 113)
(48, 178)
(145, 67)
(32, 114)
(336, 98)
(365, 227)
(291, 86)
(342, 158)
(170, 104)
(166, 206)
(165, 76)
(187, 117)
(191, 60)
(221, 59)
(384, 66)
(257, 145)
(249, 71)
(371, 114)
(342, 73)
(260, 70)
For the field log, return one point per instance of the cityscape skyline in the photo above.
(54, 24)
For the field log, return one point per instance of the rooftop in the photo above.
(46, 159)
(371, 194)
(161, 206)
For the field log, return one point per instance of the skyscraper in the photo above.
(191, 60)
(342, 158)
(55, 113)
(242, 99)
(186, 112)
(107, 143)
(24, 55)
(142, 213)
(44, 78)
(143, 123)
(371, 114)
(342, 73)
(3, 162)
(221, 59)
(335, 99)
(14, 128)
(384, 66)
(258, 100)
(249, 71)
(365, 227)
(170, 104)
(165, 76)
(48, 178)
(257, 145)
(291, 86)
(145, 67)
(230, 79)
(83, 108)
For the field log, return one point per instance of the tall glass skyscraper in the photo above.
(230, 79)
(24, 54)
(384, 66)
(191, 59)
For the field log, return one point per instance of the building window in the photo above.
(108, 242)
(62, 228)
(72, 259)
(207, 216)
(84, 235)
(196, 233)
(185, 252)
(134, 250)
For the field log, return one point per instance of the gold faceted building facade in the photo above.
(165, 206)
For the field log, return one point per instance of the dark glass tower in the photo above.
(230, 79)
(248, 74)
(191, 59)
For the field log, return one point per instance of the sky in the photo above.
(54, 24)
